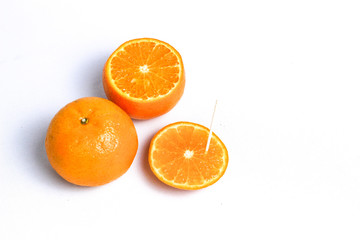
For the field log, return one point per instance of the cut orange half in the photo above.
(177, 156)
(145, 77)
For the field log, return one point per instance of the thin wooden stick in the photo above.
(210, 133)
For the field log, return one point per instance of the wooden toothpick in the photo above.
(210, 133)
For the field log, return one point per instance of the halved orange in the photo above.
(177, 156)
(145, 77)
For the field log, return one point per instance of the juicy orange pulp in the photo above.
(145, 77)
(177, 156)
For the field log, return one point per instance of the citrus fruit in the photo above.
(91, 142)
(177, 156)
(145, 77)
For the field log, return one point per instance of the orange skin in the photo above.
(91, 142)
(138, 108)
(145, 109)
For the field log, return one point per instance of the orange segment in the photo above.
(177, 156)
(144, 74)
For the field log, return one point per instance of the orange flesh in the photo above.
(145, 70)
(178, 157)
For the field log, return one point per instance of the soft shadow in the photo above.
(90, 77)
(150, 176)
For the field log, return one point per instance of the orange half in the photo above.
(177, 156)
(145, 77)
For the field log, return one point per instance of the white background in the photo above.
(287, 77)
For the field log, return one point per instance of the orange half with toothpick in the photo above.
(178, 156)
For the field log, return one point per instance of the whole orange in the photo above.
(91, 142)
(145, 77)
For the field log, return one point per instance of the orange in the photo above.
(91, 142)
(145, 77)
(177, 156)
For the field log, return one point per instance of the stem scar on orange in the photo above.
(91, 142)
(145, 77)
(177, 156)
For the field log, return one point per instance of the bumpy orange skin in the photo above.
(137, 108)
(92, 153)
